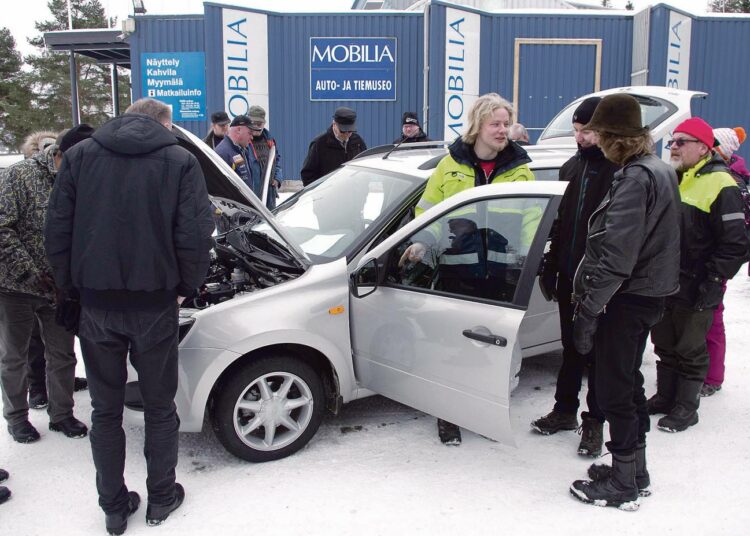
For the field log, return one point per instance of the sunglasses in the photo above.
(679, 143)
(257, 125)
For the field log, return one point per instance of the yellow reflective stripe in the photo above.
(462, 258)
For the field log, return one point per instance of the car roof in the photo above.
(420, 159)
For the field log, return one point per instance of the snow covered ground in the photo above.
(378, 468)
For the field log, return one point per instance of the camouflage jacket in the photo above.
(24, 193)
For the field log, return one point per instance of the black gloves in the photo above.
(710, 293)
(67, 310)
(584, 328)
(548, 285)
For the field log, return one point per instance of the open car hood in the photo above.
(231, 195)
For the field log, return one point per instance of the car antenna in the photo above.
(386, 155)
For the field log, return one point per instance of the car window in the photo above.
(547, 174)
(653, 112)
(475, 251)
(329, 217)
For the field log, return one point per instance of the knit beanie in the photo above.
(729, 140)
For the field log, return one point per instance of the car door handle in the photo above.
(494, 340)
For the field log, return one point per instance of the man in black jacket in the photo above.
(411, 130)
(630, 264)
(339, 144)
(129, 229)
(589, 176)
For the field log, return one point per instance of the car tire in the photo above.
(269, 409)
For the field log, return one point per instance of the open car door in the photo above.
(441, 335)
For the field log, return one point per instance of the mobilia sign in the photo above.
(353, 68)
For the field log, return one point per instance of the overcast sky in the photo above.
(21, 17)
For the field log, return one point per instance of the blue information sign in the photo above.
(353, 68)
(177, 79)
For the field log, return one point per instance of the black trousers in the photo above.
(151, 339)
(680, 340)
(570, 376)
(36, 370)
(618, 346)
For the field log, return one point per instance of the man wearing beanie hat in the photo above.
(219, 127)
(729, 141)
(631, 262)
(27, 292)
(589, 177)
(337, 145)
(411, 130)
(714, 246)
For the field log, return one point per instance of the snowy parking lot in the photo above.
(378, 468)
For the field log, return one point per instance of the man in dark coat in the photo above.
(630, 264)
(411, 130)
(219, 127)
(589, 176)
(339, 144)
(129, 230)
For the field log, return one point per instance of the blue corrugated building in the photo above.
(435, 62)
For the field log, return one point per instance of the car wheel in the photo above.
(269, 409)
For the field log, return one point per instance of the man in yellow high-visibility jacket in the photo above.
(483, 155)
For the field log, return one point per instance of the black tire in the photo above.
(244, 383)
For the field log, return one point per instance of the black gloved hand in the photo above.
(67, 309)
(548, 285)
(584, 328)
(710, 293)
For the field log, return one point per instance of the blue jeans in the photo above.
(151, 338)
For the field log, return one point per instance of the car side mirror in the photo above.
(364, 280)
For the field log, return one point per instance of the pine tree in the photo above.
(50, 71)
(606, 3)
(729, 6)
(15, 96)
(629, 6)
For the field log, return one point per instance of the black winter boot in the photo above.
(618, 490)
(449, 433)
(592, 436)
(685, 412)
(600, 471)
(666, 389)
(555, 421)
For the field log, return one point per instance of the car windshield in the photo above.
(653, 112)
(328, 217)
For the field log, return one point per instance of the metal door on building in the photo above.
(549, 74)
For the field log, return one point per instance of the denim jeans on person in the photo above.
(150, 337)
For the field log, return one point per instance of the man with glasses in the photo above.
(713, 248)
(339, 144)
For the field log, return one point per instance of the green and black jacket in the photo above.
(713, 238)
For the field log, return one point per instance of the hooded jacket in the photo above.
(326, 154)
(633, 240)
(129, 222)
(24, 193)
(589, 176)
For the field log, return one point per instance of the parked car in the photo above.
(307, 308)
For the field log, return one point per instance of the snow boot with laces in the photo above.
(618, 490)
(555, 421)
(685, 412)
(592, 436)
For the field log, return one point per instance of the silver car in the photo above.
(309, 308)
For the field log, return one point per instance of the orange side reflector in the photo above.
(336, 310)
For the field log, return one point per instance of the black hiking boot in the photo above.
(555, 421)
(618, 490)
(23, 432)
(4, 494)
(3, 475)
(38, 399)
(685, 412)
(592, 436)
(80, 384)
(71, 427)
(449, 433)
(666, 389)
(158, 514)
(118, 523)
(600, 471)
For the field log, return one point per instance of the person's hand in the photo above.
(710, 293)
(584, 328)
(414, 253)
(548, 285)
(44, 283)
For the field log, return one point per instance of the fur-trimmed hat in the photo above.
(729, 140)
(618, 114)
